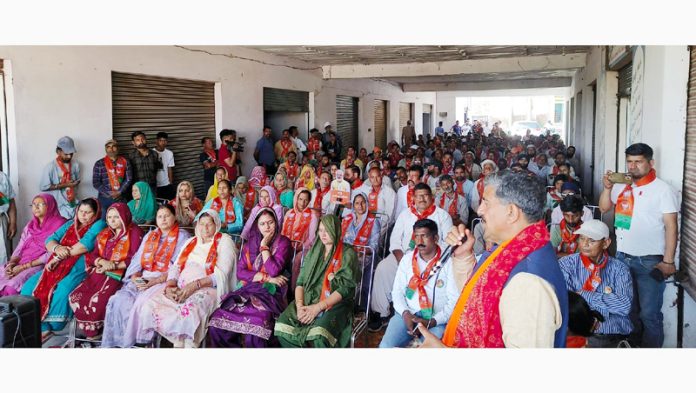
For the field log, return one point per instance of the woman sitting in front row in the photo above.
(204, 271)
(145, 277)
(247, 315)
(65, 268)
(322, 313)
(105, 267)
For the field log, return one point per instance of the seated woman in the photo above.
(105, 265)
(143, 206)
(258, 177)
(245, 195)
(204, 271)
(267, 197)
(144, 277)
(186, 205)
(284, 195)
(31, 253)
(220, 174)
(307, 178)
(65, 267)
(361, 229)
(300, 226)
(229, 210)
(322, 313)
(247, 315)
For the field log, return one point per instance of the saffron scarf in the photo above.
(420, 216)
(291, 169)
(594, 279)
(65, 178)
(285, 146)
(373, 200)
(569, 240)
(364, 232)
(334, 266)
(479, 189)
(357, 183)
(119, 251)
(319, 196)
(156, 259)
(116, 173)
(419, 281)
(475, 321)
(460, 188)
(625, 202)
(230, 217)
(452, 210)
(296, 231)
(210, 261)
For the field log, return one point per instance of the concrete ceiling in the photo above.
(440, 68)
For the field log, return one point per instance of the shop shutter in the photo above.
(405, 114)
(381, 124)
(625, 75)
(184, 109)
(347, 122)
(280, 100)
(688, 209)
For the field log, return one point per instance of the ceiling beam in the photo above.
(489, 85)
(507, 64)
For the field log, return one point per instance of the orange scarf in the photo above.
(373, 200)
(291, 170)
(363, 233)
(409, 197)
(319, 196)
(115, 173)
(210, 261)
(156, 259)
(230, 217)
(460, 188)
(330, 274)
(418, 282)
(356, 184)
(285, 147)
(625, 201)
(65, 178)
(249, 200)
(594, 279)
(313, 145)
(479, 188)
(119, 252)
(296, 231)
(569, 241)
(419, 216)
(452, 210)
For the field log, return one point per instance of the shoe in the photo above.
(376, 322)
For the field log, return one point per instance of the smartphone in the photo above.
(140, 281)
(621, 178)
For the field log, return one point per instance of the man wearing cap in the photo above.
(603, 281)
(408, 134)
(61, 177)
(112, 176)
(645, 218)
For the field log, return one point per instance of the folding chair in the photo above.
(383, 233)
(238, 240)
(366, 258)
(73, 339)
(161, 201)
(595, 209)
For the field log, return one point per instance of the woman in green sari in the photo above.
(143, 207)
(322, 314)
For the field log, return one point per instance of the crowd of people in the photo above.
(478, 239)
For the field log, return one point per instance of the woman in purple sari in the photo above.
(247, 315)
(267, 197)
(30, 254)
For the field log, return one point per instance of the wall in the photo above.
(65, 90)
(666, 71)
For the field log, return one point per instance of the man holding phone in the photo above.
(646, 237)
(424, 290)
(61, 177)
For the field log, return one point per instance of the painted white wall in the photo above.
(663, 128)
(64, 90)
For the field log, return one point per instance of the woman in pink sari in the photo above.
(31, 254)
(105, 266)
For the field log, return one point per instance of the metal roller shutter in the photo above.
(347, 122)
(688, 209)
(280, 100)
(625, 75)
(405, 114)
(381, 124)
(185, 109)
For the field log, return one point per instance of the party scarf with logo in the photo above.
(364, 231)
(419, 216)
(625, 201)
(569, 241)
(594, 279)
(210, 261)
(419, 281)
(334, 266)
(65, 178)
(157, 260)
(116, 173)
(230, 217)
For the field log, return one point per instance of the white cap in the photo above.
(594, 229)
(414, 147)
(328, 123)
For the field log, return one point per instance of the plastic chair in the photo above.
(365, 254)
(73, 339)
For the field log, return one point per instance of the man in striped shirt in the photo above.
(603, 281)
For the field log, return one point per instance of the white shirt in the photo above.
(441, 286)
(462, 207)
(167, 159)
(401, 201)
(647, 233)
(557, 215)
(385, 200)
(403, 228)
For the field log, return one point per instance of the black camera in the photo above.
(237, 146)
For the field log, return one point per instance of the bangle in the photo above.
(668, 263)
(54, 248)
(264, 248)
(198, 284)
